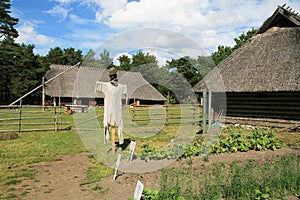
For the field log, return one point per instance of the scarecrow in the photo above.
(113, 92)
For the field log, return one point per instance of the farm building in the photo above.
(262, 78)
(79, 83)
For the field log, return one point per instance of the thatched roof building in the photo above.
(267, 62)
(81, 83)
(262, 78)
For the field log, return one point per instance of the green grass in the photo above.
(96, 172)
(17, 154)
(34, 147)
(32, 118)
(11, 196)
(276, 178)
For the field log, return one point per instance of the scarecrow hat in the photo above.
(112, 71)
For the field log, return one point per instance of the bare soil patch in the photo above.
(60, 180)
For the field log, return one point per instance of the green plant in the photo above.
(11, 196)
(11, 189)
(24, 193)
(259, 139)
(262, 139)
(192, 150)
(151, 153)
(96, 172)
(12, 182)
(259, 195)
(233, 143)
(149, 194)
(97, 187)
(275, 178)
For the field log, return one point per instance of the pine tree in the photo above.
(7, 22)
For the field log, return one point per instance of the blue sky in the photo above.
(95, 24)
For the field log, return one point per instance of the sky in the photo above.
(165, 28)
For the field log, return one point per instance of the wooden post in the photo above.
(209, 111)
(60, 117)
(204, 109)
(20, 116)
(167, 114)
(194, 114)
(133, 115)
(113, 132)
(43, 94)
(55, 119)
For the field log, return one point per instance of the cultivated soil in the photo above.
(60, 180)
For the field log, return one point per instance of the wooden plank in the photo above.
(32, 124)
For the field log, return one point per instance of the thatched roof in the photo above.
(81, 82)
(267, 62)
(282, 17)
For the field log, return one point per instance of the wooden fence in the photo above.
(31, 118)
(170, 113)
(25, 118)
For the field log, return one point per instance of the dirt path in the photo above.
(60, 180)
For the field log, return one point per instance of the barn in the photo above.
(262, 78)
(80, 83)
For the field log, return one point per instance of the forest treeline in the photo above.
(22, 69)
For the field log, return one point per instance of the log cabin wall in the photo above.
(274, 105)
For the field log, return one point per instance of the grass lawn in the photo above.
(34, 147)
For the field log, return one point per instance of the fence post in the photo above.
(194, 115)
(60, 117)
(133, 111)
(204, 109)
(55, 119)
(20, 116)
(209, 111)
(43, 94)
(167, 114)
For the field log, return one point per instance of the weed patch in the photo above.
(251, 180)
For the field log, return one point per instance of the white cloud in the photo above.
(183, 27)
(209, 22)
(116, 57)
(28, 35)
(59, 12)
(65, 1)
(108, 7)
(157, 13)
(78, 20)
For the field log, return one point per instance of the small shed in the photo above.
(79, 84)
(262, 78)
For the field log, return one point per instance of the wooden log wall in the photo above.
(274, 105)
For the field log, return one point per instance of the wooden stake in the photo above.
(43, 94)
(113, 132)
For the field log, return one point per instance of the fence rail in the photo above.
(27, 118)
(170, 113)
(49, 118)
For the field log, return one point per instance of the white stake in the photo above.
(138, 190)
(131, 150)
(117, 166)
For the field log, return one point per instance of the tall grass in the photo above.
(275, 179)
